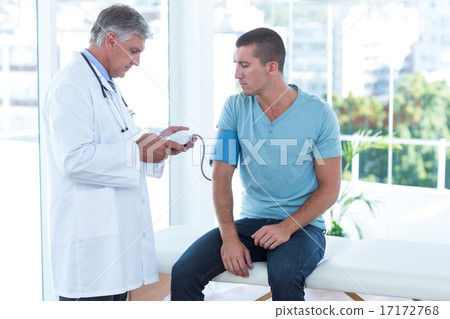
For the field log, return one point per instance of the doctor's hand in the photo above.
(154, 149)
(172, 129)
(189, 145)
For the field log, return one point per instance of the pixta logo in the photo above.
(308, 151)
(151, 142)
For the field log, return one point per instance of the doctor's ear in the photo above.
(111, 39)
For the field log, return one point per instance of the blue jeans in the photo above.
(288, 265)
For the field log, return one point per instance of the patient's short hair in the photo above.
(269, 45)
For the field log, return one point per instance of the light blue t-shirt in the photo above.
(276, 158)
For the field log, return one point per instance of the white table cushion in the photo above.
(173, 241)
(389, 268)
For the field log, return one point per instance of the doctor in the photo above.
(101, 237)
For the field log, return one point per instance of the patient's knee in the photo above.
(183, 268)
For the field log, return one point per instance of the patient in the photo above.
(290, 167)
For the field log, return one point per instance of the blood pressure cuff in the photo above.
(226, 148)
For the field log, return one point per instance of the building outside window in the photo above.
(369, 57)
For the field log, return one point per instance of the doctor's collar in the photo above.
(97, 64)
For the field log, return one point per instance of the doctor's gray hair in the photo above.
(121, 19)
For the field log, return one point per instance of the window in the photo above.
(421, 99)
(19, 160)
(385, 71)
(144, 88)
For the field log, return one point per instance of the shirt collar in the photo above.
(97, 64)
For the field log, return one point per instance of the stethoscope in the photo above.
(123, 128)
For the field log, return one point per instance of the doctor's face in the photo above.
(124, 55)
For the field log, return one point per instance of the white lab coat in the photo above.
(100, 227)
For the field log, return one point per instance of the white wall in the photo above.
(191, 28)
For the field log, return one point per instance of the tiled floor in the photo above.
(216, 291)
(225, 292)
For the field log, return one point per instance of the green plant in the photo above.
(364, 140)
